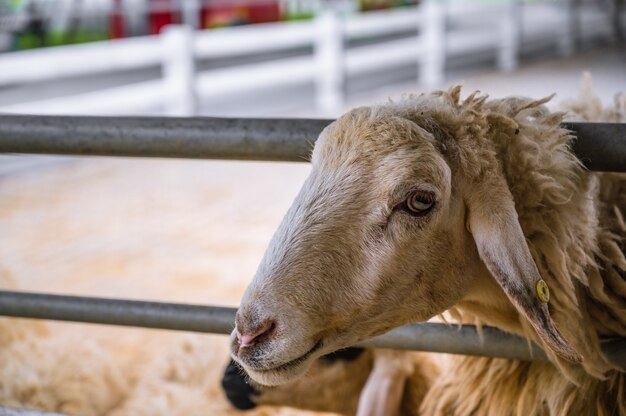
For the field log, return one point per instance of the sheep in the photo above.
(174, 377)
(434, 203)
(352, 381)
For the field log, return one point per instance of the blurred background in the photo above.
(289, 57)
(194, 231)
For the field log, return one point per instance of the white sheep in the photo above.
(50, 367)
(437, 203)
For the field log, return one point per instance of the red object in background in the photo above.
(232, 12)
(162, 13)
(117, 26)
(265, 13)
(217, 16)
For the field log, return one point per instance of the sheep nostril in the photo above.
(247, 339)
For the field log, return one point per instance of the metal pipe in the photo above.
(196, 318)
(198, 138)
(601, 146)
(10, 411)
(454, 339)
(210, 319)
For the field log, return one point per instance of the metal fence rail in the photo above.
(199, 138)
(601, 146)
(218, 320)
(10, 411)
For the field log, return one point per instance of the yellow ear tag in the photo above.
(543, 292)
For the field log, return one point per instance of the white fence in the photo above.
(431, 33)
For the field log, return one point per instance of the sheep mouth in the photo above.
(290, 364)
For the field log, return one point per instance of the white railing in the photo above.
(90, 58)
(431, 33)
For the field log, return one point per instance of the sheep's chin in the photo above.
(281, 375)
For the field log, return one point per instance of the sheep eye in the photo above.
(419, 203)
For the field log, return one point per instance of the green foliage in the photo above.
(58, 38)
(299, 16)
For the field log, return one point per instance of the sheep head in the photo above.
(387, 230)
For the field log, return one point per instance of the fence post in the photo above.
(509, 30)
(432, 64)
(179, 70)
(329, 60)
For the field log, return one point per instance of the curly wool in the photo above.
(573, 221)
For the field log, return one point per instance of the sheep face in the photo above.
(392, 226)
(365, 247)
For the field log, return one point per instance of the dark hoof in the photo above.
(237, 388)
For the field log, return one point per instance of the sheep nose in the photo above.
(250, 337)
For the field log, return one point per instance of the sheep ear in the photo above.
(501, 244)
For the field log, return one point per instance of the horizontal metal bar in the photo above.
(601, 146)
(10, 411)
(210, 319)
(182, 317)
(454, 339)
(199, 138)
